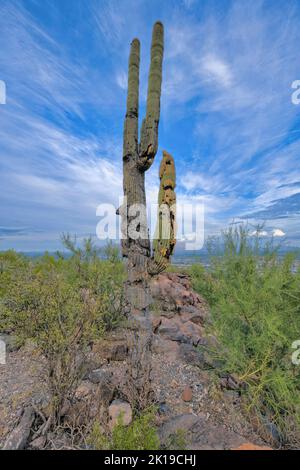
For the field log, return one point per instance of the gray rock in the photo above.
(196, 357)
(210, 342)
(192, 333)
(164, 409)
(97, 376)
(11, 341)
(18, 438)
(184, 422)
(229, 382)
(273, 432)
(38, 443)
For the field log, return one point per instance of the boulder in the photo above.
(119, 408)
(98, 376)
(193, 314)
(156, 321)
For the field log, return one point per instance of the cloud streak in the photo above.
(226, 111)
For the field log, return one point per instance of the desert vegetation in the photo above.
(254, 297)
(61, 303)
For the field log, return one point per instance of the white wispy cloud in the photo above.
(226, 110)
(217, 70)
(245, 64)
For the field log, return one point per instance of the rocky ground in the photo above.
(189, 393)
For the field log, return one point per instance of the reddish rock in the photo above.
(250, 446)
(173, 293)
(187, 394)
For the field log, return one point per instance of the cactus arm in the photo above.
(130, 140)
(130, 136)
(165, 233)
(149, 132)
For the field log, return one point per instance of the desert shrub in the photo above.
(62, 321)
(141, 434)
(103, 277)
(10, 263)
(174, 268)
(111, 252)
(62, 304)
(255, 304)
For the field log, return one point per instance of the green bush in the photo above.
(62, 304)
(103, 277)
(141, 434)
(62, 322)
(255, 304)
(10, 263)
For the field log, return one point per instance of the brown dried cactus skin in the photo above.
(165, 234)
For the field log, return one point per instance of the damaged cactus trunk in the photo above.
(165, 233)
(138, 157)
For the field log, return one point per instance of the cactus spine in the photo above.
(138, 158)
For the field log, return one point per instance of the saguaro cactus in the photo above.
(138, 158)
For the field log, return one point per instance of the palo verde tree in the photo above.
(138, 156)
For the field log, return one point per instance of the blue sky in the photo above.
(226, 111)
